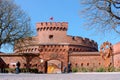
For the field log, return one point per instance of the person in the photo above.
(69, 67)
(64, 71)
(17, 67)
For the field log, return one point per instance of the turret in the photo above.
(51, 29)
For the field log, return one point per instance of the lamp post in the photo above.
(41, 60)
(42, 64)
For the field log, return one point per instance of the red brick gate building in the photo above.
(52, 49)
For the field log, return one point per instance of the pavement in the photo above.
(65, 76)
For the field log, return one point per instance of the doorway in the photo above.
(54, 66)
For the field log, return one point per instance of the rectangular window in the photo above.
(50, 36)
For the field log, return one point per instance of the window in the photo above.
(24, 64)
(35, 49)
(99, 64)
(76, 65)
(81, 64)
(50, 36)
(13, 65)
(87, 64)
(73, 38)
(7, 65)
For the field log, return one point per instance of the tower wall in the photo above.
(51, 31)
(47, 28)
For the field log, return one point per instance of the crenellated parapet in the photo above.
(84, 42)
(30, 49)
(56, 26)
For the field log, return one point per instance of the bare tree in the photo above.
(102, 14)
(14, 22)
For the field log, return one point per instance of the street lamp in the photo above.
(41, 60)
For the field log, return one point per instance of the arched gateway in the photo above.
(53, 62)
(54, 66)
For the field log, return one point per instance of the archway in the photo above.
(54, 66)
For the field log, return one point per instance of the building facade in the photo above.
(51, 50)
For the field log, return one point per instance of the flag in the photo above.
(51, 18)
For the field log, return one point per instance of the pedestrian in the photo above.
(17, 67)
(69, 67)
(65, 69)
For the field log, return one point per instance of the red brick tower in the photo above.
(51, 32)
(55, 46)
(51, 36)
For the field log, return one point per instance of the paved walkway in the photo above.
(70, 76)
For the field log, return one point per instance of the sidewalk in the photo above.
(69, 76)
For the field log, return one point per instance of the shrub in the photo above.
(110, 69)
(32, 70)
(118, 69)
(83, 69)
(24, 70)
(9, 70)
(74, 69)
(91, 69)
(101, 69)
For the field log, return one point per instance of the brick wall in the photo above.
(117, 60)
(86, 59)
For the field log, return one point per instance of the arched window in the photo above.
(63, 50)
(57, 28)
(38, 29)
(7, 65)
(54, 28)
(56, 49)
(35, 49)
(47, 28)
(87, 64)
(73, 49)
(82, 64)
(60, 49)
(60, 28)
(44, 28)
(25, 65)
(49, 49)
(50, 28)
(99, 63)
(41, 29)
(76, 65)
(36, 65)
(64, 29)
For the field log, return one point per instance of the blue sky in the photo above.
(63, 11)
